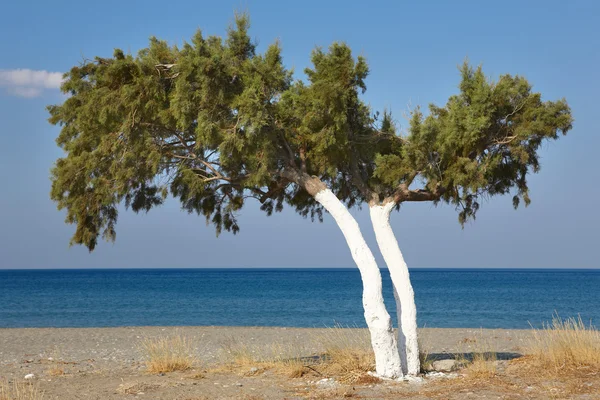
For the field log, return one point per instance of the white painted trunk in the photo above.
(408, 346)
(384, 343)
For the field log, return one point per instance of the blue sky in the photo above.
(413, 49)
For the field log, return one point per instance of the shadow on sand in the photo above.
(470, 356)
(432, 356)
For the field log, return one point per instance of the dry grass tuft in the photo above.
(366, 379)
(56, 371)
(237, 352)
(331, 393)
(196, 376)
(348, 354)
(283, 359)
(425, 360)
(18, 390)
(483, 366)
(483, 363)
(297, 370)
(137, 387)
(57, 366)
(566, 344)
(168, 354)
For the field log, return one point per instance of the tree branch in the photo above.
(358, 181)
(403, 194)
(312, 184)
(303, 158)
(291, 157)
(279, 185)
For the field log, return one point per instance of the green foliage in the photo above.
(214, 123)
(484, 142)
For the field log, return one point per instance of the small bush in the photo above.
(168, 354)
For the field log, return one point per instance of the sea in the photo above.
(455, 298)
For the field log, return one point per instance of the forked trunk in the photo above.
(384, 343)
(408, 346)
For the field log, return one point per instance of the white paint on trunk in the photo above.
(387, 359)
(408, 346)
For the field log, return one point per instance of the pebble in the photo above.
(444, 365)
(326, 382)
(441, 375)
(29, 376)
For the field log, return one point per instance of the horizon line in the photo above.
(303, 268)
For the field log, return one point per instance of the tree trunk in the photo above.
(387, 359)
(408, 346)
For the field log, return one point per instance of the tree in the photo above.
(215, 124)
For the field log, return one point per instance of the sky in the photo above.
(413, 50)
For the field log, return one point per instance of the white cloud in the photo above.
(28, 83)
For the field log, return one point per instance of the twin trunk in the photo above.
(408, 346)
(393, 358)
(387, 357)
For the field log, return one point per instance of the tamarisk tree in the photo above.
(215, 125)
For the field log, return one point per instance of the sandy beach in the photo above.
(119, 347)
(108, 363)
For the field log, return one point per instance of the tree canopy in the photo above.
(213, 123)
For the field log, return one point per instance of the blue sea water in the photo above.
(288, 297)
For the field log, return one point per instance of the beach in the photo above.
(109, 363)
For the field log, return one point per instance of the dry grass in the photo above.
(168, 354)
(425, 360)
(56, 371)
(566, 344)
(254, 360)
(196, 376)
(137, 387)
(348, 354)
(57, 365)
(331, 393)
(19, 390)
(483, 366)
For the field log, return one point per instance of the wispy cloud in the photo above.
(27, 82)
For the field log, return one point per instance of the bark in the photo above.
(408, 347)
(387, 359)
